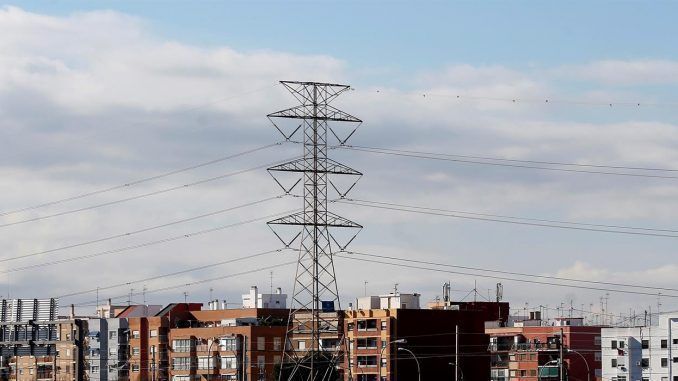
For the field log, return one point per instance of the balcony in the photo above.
(535, 346)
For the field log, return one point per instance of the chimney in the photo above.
(224, 305)
(278, 291)
(72, 311)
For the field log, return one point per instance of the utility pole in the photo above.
(560, 363)
(456, 352)
(315, 285)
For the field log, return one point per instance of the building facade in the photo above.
(531, 349)
(228, 344)
(403, 342)
(646, 353)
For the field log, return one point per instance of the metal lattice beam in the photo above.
(315, 297)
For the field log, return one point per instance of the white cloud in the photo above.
(624, 72)
(95, 99)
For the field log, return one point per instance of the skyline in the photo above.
(92, 98)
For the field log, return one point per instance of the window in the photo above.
(350, 326)
(112, 334)
(206, 362)
(645, 363)
(301, 344)
(135, 351)
(367, 343)
(153, 333)
(277, 344)
(621, 344)
(665, 362)
(182, 345)
(261, 343)
(135, 367)
(533, 356)
(613, 344)
(384, 362)
(135, 334)
(645, 344)
(613, 363)
(261, 362)
(383, 325)
(675, 359)
(367, 325)
(664, 344)
(181, 363)
(675, 378)
(384, 343)
(229, 362)
(112, 352)
(228, 344)
(597, 356)
(675, 341)
(597, 341)
(367, 361)
(533, 373)
(95, 369)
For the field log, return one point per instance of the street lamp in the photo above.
(588, 370)
(415, 359)
(381, 353)
(457, 368)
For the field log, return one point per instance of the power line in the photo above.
(443, 213)
(144, 195)
(544, 100)
(630, 285)
(143, 230)
(502, 278)
(508, 165)
(139, 181)
(145, 244)
(175, 273)
(516, 218)
(199, 281)
(516, 160)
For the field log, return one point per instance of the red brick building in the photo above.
(148, 342)
(531, 349)
(374, 336)
(225, 344)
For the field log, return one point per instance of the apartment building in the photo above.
(228, 344)
(36, 345)
(391, 338)
(531, 348)
(107, 341)
(149, 341)
(645, 353)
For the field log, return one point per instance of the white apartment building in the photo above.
(647, 353)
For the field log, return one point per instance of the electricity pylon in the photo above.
(313, 318)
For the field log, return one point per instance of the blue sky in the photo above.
(413, 35)
(128, 89)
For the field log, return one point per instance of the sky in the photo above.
(94, 94)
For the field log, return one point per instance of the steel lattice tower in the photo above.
(316, 295)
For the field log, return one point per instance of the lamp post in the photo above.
(415, 359)
(381, 353)
(211, 364)
(456, 367)
(588, 370)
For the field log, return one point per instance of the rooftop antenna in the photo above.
(143, 292)
(185, 297)
(131, 292)
(395, 289)
(211, 294)
(365, 285)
